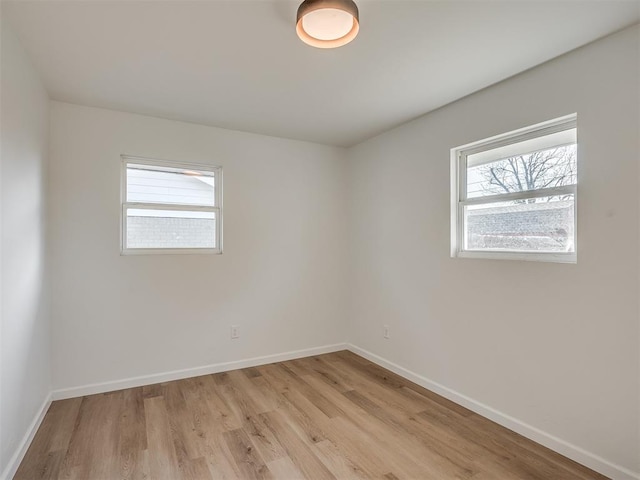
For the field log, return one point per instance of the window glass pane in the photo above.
(147, 184)
(551, 167)
(170, 229)
(543, 224)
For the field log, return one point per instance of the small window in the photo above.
(170, 207)
(514, 195)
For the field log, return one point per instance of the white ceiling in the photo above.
(238, 64)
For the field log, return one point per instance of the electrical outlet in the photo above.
(386, 331)
(235, 332)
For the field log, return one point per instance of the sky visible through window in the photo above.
(548, 168)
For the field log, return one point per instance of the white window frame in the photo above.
(217, 209)
(459, 192)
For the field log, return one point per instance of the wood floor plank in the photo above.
(63, 416)
(251, 372)
(355, 444)
(211, 420)
(260, 401)
(302, 457)
(398, 449)
(334, 459)
(467, 455)
(327, 373)
(284, 376)
(350, 379)
(132, 440)
(328, 416)
(163, 463)
(93, 449)
(209, 391)
(298, 409)
(49, 447)
(487, 454)
(296, 367)
(271, 394)
(201, 469)
(154, 390)
(536, 457)
(395, 382)
(209, 426)
(444, 457)
(249, 461)
(242, 397)
(183, 433)
(312, 426)
(47, 466)
(285, 468)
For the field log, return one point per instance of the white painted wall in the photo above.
(25, 380)
(555, 346)
(299, 220)
(282, 277)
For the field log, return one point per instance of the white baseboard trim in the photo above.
(556, 444)
(114, 385)
(14, 463)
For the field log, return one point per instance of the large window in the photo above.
(170, 207)
(514, 195)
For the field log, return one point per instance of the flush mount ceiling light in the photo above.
(327, 23)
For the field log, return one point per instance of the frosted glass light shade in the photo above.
(327, 23)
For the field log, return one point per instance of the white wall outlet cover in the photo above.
(235, 331)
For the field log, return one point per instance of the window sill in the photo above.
(526, 256)
(171, 251)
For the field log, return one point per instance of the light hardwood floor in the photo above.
(324, 417)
